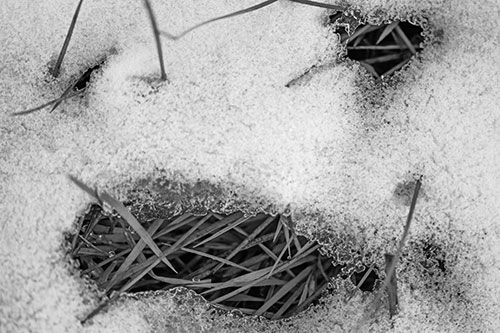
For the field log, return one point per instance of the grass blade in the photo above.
(392, 286)
(387, 31)
(405, 39)
(319, 4)
(132, 221)
(222, 260)
(57, 67)
(287, 245)
(163, 75)
(283, 291)
(137, 250)
(224, 230)
(57, 100)
(239, 12)
(254, 234)
(288, 302)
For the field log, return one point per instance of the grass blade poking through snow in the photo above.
(147, 4)
(390, 269)
(57, 67)
(239, 12)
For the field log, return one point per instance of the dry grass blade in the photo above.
(278, 259)
(286, 231)
(224, 230)
(390, 270)
(375, 47)
(221, 260)
(137, 250)
(54, 101)
(57, 67)
(405, 39)
(289, 302)
(365, 276)
(278, 229)
(405, 232)
(392, 288)
(105, 262)
(124, 212)
(239, 12)
(387, 31)
(284, 290)
(384, 58)
(319, 4)
(250, 237)
(362, 31)
(131, 220)
(163, 75)
(397, 67)
(311, 298)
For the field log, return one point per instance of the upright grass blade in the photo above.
(239, 12)
(375, 305)
(163, 75)
(57, 67)
(392, 287)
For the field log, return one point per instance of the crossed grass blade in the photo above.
(49, 103)
(387, 30)
(124, 212)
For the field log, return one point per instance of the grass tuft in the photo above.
(235, 261)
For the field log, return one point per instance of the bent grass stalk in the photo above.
(156, 32)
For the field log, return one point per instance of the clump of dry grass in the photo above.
(255, 264)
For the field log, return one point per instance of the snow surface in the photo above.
(332, 148)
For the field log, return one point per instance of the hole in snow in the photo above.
(254, 264)
(381, 49)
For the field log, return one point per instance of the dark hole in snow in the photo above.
(381, 49)
(253, 264)
(84, 79)
(369, 281)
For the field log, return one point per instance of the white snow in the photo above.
(323, 147)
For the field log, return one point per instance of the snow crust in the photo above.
(331, 149)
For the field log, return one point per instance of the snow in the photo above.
(332, 148)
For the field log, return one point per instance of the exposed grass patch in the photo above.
(255, 264)
(381, 49)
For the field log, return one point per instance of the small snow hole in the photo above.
(381, 49)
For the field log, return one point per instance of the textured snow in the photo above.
(332, 148)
